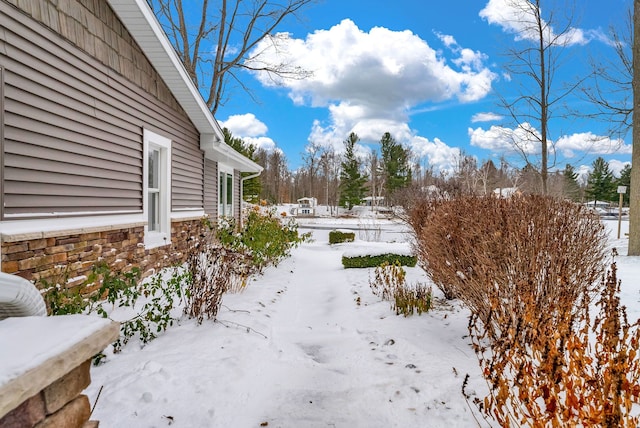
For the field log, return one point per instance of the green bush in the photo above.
(161, 294)
(266, 238)
(338, 237)
(375, 261)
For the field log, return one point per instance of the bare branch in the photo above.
(214, 43)
(534, 60)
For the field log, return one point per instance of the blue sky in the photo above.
(430, 73)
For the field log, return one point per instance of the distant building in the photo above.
(370, 201)
(307, 207)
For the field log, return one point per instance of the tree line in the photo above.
(391, 175)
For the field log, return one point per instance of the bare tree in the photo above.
(467, 173)
(330, 164)
(610, 90)
(488, 177)
(216, 40)
(311, 158)
(277, 183)
(535, 59)
(375, 179)
(615, 92)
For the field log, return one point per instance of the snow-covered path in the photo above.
(307, 345)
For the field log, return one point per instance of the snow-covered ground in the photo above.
(307, 344)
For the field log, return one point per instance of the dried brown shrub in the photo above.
(575, 373)
(510, 256)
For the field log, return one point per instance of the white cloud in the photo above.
(264, 143)
(244, 125)
(583, 174)
(367, 83)
(351, 65)
(518, 17)
(616, 166)
(522, 139)
(526, 139)
(587, 142)
(447, 39)
(439, 155)
(250, 129)
(486, 117)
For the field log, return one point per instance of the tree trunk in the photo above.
(634, 195)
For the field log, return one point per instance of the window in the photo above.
(157, 189)
(225, 193)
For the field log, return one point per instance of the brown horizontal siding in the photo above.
(187, 176)
(51, 203)
(73, 125)
(79, 77)
(50, 167)
(36, 176)
(211, 187)
(73, 192)
(63, 141)
(81, 81)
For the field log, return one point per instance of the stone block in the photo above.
(60, 249)
(37, 244)
(10, 267)
(73, 239)
(17, 256)
(19, 248)
(65, 389)
(91, 236)
(91, 424)
(27, 414)
(29, 263)
(59, 258)
(74, 415)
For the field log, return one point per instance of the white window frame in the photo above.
(153, 141)
(224, 171)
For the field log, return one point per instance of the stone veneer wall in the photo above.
(61, 404)
(48, 256)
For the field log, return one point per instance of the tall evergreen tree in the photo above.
(252, 187)
(396, 168)
(352, 181)
(601, 184)
(625, 180)
(571, 186)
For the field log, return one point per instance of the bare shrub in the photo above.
(369, 229)
(389, 284)
(212, 271)
(386, 279)
(408, 300)
(505, 258)
(577, 372)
